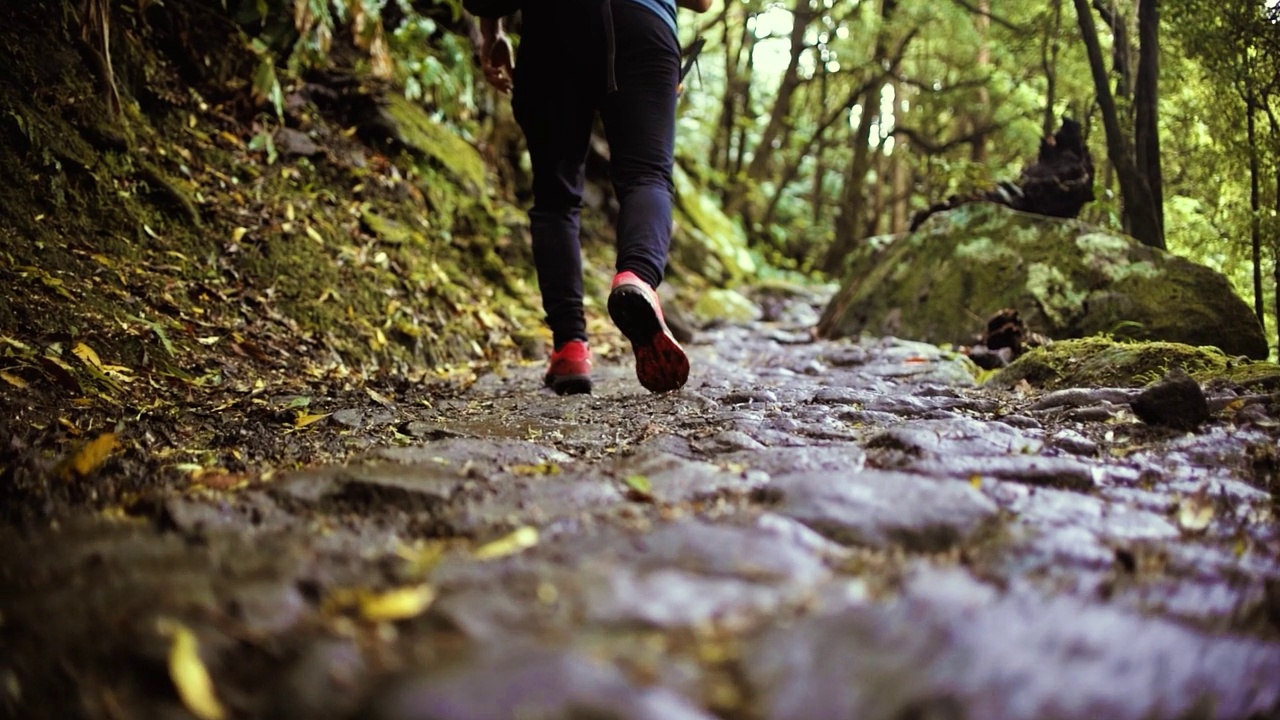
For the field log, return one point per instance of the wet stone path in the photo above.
(809, 530)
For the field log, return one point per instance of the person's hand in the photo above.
(496, 57)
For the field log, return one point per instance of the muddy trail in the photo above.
(849, 529)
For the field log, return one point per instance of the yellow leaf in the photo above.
(639, 483)
(87, 355)
(119, 373)
(522, 539)
(12, 379)
(210, 340)
(305, 420)
(542, 468)
(314, 235)
(189, 674)
(238, 234)
(14, 343)
(400, 604)
(93, 455)
(976, 481)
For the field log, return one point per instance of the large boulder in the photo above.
(1066, 278)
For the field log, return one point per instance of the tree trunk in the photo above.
(1049, 60)
(762, 160)
(1140, 215)
(1255, 208)
(818, 202)
(978, 148)
(746, 108)
(1146, 131)
(724, 126)
(852, 203)
(900, 181)
(879, 198)
(1121, 57)
(722, 153)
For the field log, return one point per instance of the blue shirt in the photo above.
(666, 9)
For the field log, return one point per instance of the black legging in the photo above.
(560, 82)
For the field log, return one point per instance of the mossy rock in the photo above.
(706, 241)
(1102, 362)
(722, 305)
(1067, 279)
(417, 130)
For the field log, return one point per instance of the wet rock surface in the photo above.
(808, 530)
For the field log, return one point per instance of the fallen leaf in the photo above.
(189, 674)
(400, 604)
(210, 340)
(119, 373)
(976, 481)
(542, 468)
(238, 234)
(13, 380)
(305, 420)
(521, 539)
(639, 483)
(14, 343)
(87, 355)
(91, 456)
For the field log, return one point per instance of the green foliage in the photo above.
(422, 54)
(958, 101)
(434, 65)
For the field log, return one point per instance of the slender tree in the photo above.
(1146, 131)
(1141, 216)
(852, 200)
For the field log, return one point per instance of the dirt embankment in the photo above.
(184, 267)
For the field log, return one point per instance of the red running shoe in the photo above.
(570, 370)
(661, 364)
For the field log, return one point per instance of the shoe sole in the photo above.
(661, 364)
(570, 384)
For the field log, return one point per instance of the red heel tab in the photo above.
(626, 277)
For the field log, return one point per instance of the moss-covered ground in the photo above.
(188, 258)
(1100, 361)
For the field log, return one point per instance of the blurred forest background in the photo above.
(313, 158)
(819, 123)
